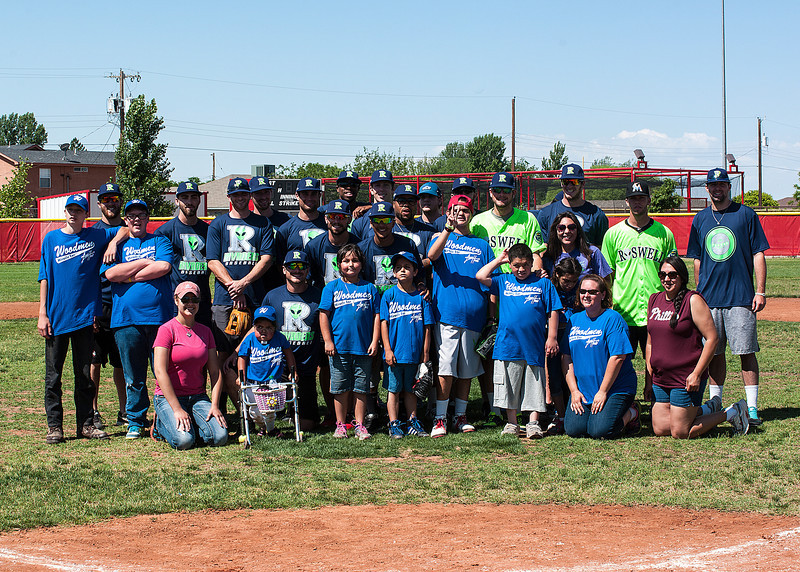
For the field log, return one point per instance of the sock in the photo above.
(441, 407)
(751, 391)
(730, 413)
(715, 390)
(461, 407)
(634, 414)
(705, 409)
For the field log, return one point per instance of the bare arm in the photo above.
(701, 316)
(484, 275)
(376, 336)
(760, 267)
(439, 241)
(125, 271)
(325, 330)
(156, 269)
(697, 272)
(217, 383)
(110, 255)
(44, 326)
(387, 347)
(160, 363)
(648, 375)
(236, 287)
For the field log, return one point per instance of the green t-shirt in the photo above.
(502, 234)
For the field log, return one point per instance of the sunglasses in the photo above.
(338, 217)
(591, 292)
(671, 275)
(563, 227)
(571, 183)
(137, 216)
(189, 299)
(382, 220)
(109, 199)
(296, 266)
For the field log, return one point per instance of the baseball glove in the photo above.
(424, 380)
(485, 344)
(239, 322)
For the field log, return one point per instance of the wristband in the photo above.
(449, 228)
(761, 294)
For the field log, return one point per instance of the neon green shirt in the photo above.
(502, 234)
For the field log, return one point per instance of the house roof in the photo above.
(36, 154)
(217, 198)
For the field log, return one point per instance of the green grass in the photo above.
(82, 481)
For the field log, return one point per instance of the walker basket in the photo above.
(270, 399)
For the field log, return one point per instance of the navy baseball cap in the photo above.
(259, 184)
(571, 171)
(265, 312)
(348, 177)
(405, 190)
(430, 189)
(382, 208)
(295, 256)
(637, 189)
(78, 200)
(309, 184)
(502, 180)
(463, 183)
(136, 203)
(187, 187)
(337, 206)
(404, 254)
(381, 175)
(718, 175)
(238, 185)
(108, 189)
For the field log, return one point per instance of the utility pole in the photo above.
(724, 108)
(513, 133)
(213, 166)
(759, 162)
(122, 77)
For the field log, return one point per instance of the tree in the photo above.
(485, 153)
(663, 197)
(556, 159)
(76, 145)
(450, 160)
(607, 161)
(21, 130)
(751, 199)
(316, 170)
(14, 199)
(796, 195)
(143, 170)
(368, 161)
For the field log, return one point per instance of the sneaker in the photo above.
(510, 429)
(415, 428)
(493, 420)
(370, 421)
(396, 430)
(714, 404)
(533, 430)
(98, 421)
(361, 432)
(122, 419)
(635, 426)
(134, 433)
(54, 435)
(753, 419)
(341, 431)
(741, 419)
(439, 427)
(556, 427)
(461, 426)
(92, 432)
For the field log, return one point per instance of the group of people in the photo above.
(404, 290)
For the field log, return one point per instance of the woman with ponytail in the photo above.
(678, 320)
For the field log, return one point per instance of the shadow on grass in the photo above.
(779, 413)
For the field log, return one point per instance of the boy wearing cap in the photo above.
(728, 245)
(406, 333)
(322, 249)
(634, 250)
(593, 220)
(430, 206)
(69, 304)
(380, 190)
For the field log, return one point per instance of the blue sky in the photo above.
(276, 82)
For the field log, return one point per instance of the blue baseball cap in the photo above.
(295, 256)
(502, 180)
(260, 183)
(463, 182)
(430, 189)
(187, 187)
(571, 171)
(309, 184)
(405, 190)
(407, 255)
(136, 203)
(108, 189)
(346, 176)
(381, 175)
(382, 208)
(238, 185)
(718, 175)
(265, 312)
(337, 206)
(78, 200)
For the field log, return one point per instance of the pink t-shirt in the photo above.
(188, 354)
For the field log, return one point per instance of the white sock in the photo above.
(751, 391)
(461, 407)
(715, 390)
(730, 413)
(441, 407)
(634, 414)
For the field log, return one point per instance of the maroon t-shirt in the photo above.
(674, 353)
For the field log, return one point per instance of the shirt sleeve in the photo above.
(326, 302)
(214, 240)
(693, 247)
(163, 249)
(599, 263)
(427, 313)
(385, 307)
(617, 339)
(165, 337)
(267, 245)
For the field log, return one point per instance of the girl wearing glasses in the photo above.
(566, 239)
(678, 320)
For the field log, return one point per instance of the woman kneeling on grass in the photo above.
(677, 360)
(181, 351)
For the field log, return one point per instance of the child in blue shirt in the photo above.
(261, 355)
(528, 306)
(349, 321)
(406, 332)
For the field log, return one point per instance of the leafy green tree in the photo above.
(21, 130)
(751, 199)
(14, 199)
(607, 161)
(195, 180)
(143, 170)
(369, 160)
(556, 159)
(663, 198)
(316, 170)
(452, 159)
(76, 145)
(796, 194)
(485, 153)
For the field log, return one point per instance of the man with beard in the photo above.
(380, 190)
(295, 233)
(347, 186)
(261, 192)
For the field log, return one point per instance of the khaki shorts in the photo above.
(519, 386)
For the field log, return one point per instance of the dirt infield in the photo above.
(402, 537)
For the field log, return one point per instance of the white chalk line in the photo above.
(45, 562)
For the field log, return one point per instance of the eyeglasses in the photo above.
(591, 292)
(564, 227)
(109, 199)
(296, 266)
(135, 216)
(381, 220)
(672, 275)
(338, 217)
(188, 299)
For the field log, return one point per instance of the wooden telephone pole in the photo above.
(121, 101)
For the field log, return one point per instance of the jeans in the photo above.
(604, 425)
(135, 349)
(197, 406)
(55, 353)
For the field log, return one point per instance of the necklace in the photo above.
(719, 221)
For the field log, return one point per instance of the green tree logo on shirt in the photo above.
(720, 243)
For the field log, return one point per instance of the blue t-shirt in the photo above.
(378, 267)
(105, 283)
(295, 233)
(71, 265)
(406, 315)
(264, 360)
(437, 224)
(591, 342)
(142, 303)
(524, 309)
(352, 310)
(239, 244)
(459, 299)
(593, 220)
(322, 259)
(360, 227)
(596, 264)
(725, 250)
(188, 254)
(297, 318)
(420, 233)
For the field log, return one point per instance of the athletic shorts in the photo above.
(400, 377)
(350, 372)
(519, 386)
(678, 396)
(457, 355)
(737, 327)
(105, 346)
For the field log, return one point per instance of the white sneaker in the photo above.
(533, 430)
(741, 420)
(510, 429)
(461, 426)
(439, 427)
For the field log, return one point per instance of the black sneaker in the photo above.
(122, 419)
(98, 421)
(54, 435)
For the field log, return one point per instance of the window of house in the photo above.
(44, 178)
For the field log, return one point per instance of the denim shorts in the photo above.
(350, 372)
(678, 396)
(400, 377)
